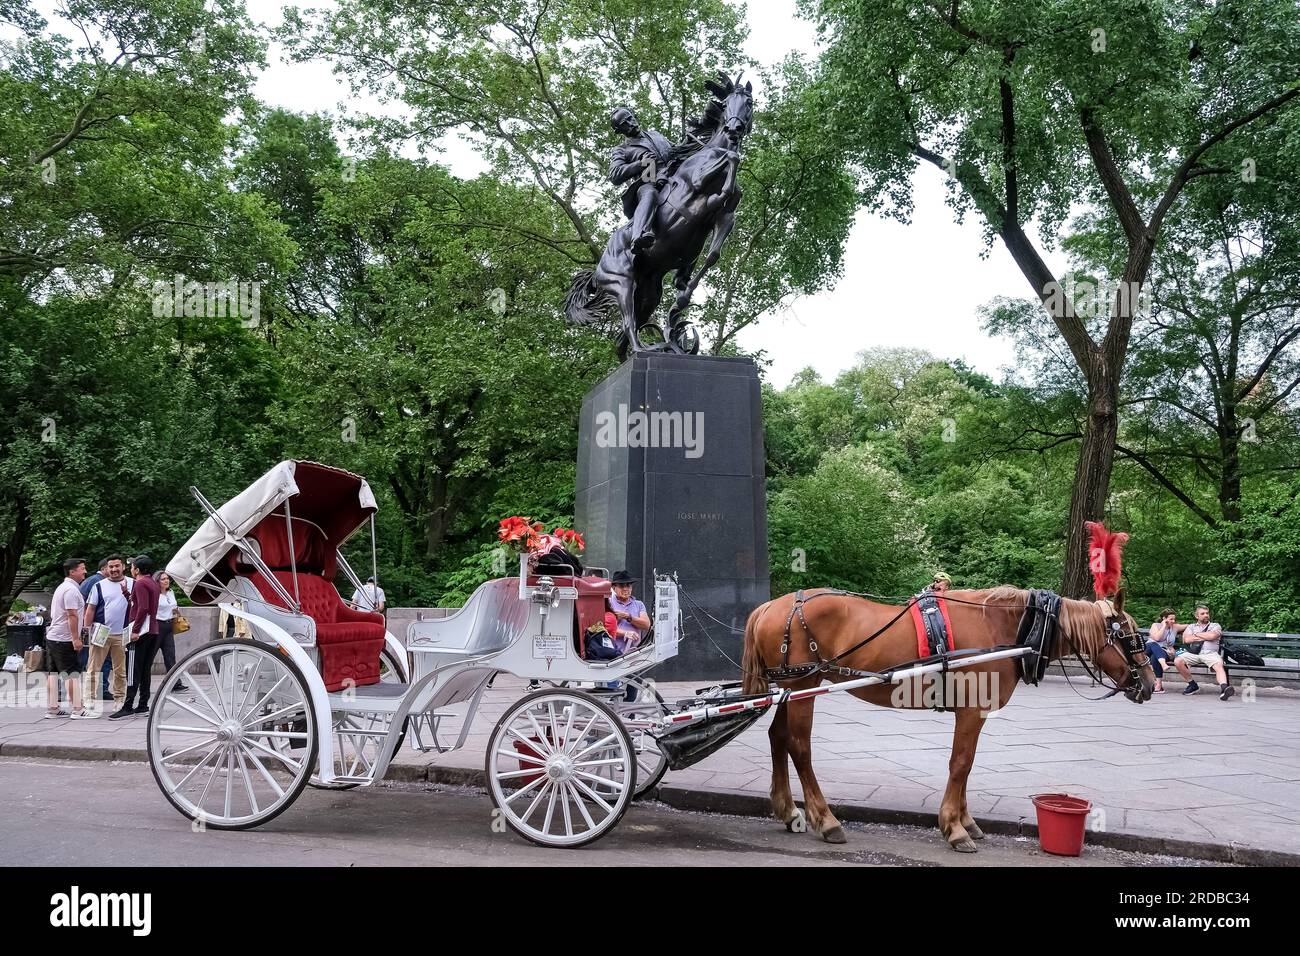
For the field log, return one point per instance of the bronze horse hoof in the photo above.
(835, 835)
(974, 832)
(797, 823)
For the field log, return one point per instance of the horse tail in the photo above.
(751, 665)
(584, 304)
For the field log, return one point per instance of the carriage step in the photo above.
(374, 698)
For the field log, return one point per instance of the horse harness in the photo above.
(1038, 630)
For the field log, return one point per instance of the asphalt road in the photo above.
(88, 813)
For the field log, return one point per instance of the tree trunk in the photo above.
(1091, 475)
(439, 515)
(12, 553)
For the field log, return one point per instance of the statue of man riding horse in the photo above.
(677, 197)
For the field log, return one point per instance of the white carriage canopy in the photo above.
(336, 501)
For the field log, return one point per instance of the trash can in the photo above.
(23, 636)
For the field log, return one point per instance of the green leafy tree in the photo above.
(113, 176)
(1030, 107)
(850, 524)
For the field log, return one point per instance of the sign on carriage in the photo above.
(550, 647)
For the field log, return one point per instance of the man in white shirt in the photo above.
(370, 597)
(106, 603)
(63, 641)
(1203, 639)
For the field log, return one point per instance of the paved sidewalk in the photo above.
(1228, 790)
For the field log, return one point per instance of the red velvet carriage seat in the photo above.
(349, 641)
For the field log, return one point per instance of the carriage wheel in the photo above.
(651, 764)
(389, 673)
(561, 768)
(238, 746)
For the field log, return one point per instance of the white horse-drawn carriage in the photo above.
(313, 691)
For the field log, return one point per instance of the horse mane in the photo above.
(1082, 622)
(701, 128)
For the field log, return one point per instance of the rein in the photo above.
(1127, 642)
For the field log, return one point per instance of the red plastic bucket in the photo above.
(530, 751)
(1061, 822)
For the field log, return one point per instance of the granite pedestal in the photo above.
(670, 478)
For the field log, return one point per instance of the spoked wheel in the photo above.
(352, 752)
(561, 768)
(235, 748)
(651, 764)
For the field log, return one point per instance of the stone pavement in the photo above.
(1187, 775)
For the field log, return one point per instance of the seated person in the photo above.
(633, 619)
(1207, 635)
(1160, 643)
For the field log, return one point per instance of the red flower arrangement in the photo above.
(526, 536)
(520, 535)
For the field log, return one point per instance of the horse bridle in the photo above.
(1134, 651)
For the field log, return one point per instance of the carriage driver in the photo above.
(640, 161)
(942, 582)
(633, 620)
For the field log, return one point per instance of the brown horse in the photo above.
(980, 619)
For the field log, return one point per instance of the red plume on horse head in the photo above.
(1104, 550)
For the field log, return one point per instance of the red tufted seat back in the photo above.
(350, 642)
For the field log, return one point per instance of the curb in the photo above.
(748, 804)
(735, 803)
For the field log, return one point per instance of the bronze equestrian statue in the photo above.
(677, 197)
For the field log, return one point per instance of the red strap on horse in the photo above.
(922, 644)
(918, 620)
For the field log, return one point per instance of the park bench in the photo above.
(1281, 654)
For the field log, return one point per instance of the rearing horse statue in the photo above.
(697, 198)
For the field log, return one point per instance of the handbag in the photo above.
(1194, 647)
(34, 659)
(180, 624)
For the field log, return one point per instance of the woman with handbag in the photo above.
(170, 622)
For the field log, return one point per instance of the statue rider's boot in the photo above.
(643, 221)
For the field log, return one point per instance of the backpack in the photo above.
(600, 646)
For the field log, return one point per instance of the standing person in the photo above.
(1160, 646)
(370, 597)
(107, 604)
(84, 655)
(95, 578)
(143, 618)
(1202, 640)
(166, 614)
(63, 639)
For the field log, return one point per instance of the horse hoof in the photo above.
(835, 835)
(974, 832)
(797, 823)
(965, 845)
